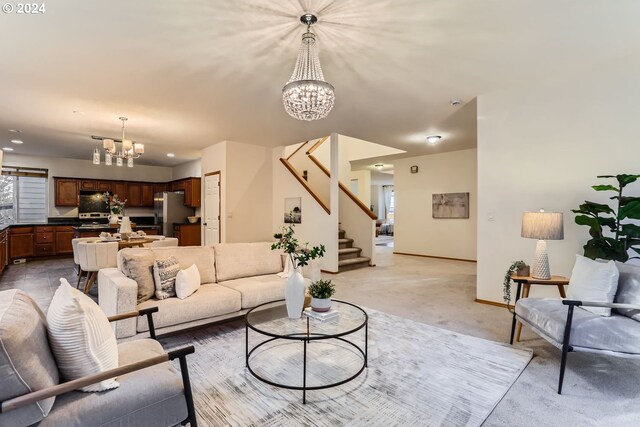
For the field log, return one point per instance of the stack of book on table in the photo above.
(321, 315)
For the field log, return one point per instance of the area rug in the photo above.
(418, 375)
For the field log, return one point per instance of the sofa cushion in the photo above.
(628, 289)
(593, 281)
(236, 260)
(138, 265)
(201, 256)
(257, 290)
(152, 396)
(549, 316)
(26, 362)
(81, 337)
(211, 300)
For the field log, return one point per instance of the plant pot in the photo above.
(320, 304)
(113, 218)
(294, 294)
(523, 272)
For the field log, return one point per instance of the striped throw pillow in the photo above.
(164, 276)
(81, 337)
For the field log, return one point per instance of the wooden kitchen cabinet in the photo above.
(134, 194)
(4, 245)
(67, 191)
(147, 195)
(88, 184)
(119, 189)
(21, 242)
(104, 186)
(159, 188)
(63, 236)
(187, 234)
(191, 189)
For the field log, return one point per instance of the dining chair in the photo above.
(94, 255)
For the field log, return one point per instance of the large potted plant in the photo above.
(299, 256)
(612, 229)
(321, 292)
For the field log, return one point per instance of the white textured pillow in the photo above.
(593, 281)
(164, 276)
(187, 281)
(81, 337)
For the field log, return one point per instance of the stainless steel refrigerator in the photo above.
(170, 209)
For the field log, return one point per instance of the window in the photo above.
(23, 197)
(392, 205)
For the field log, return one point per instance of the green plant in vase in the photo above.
(300, 256)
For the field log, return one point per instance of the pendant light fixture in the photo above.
(307, 96)
(128, 149)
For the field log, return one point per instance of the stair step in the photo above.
(348, 253)
(345, 243)
(353, 263)
(341, 234)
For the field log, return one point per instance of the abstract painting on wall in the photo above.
(450, 205)
(293, 210)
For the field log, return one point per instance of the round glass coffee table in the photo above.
(271, 320)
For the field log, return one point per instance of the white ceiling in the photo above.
(190, 74)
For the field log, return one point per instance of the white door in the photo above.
(211, 209)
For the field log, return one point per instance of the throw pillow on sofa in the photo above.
(164, 275)
(593, 281)
(187, 281)
(138, 265)
(81, 337)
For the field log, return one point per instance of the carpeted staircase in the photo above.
(349, 257)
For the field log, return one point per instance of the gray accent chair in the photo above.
(570, 329)
(151, 391)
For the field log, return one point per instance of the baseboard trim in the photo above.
(496, 304)
(437, 257)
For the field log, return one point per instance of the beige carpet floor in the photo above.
(598, 390)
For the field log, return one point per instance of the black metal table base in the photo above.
(306, 340)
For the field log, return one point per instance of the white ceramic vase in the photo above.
(294, 294)
(320, 304)
(113, 219)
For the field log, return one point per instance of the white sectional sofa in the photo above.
(235, 277)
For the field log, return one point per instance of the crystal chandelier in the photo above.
(128, 149)
(307, 96)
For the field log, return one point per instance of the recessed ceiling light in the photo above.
(433, 139)
(15, 131)
(170, 155)
(7, 149)
(16, 141)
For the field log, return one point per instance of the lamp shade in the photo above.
(542, 225)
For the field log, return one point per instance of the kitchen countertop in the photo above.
(74, 224)
(107, 227)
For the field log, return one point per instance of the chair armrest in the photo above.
(144, 312)
(56, 390)
(577, 303)
(118, 294)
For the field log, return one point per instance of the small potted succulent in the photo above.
(519, 268)
(321, 292)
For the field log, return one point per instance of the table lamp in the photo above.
(542, 226)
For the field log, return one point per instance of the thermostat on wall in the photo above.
(414, 169)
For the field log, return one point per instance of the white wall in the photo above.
(364, 185)
(249, 193)
(214, 158)
(542, 147)
(317, 226)
(74, 168)
(316, 178)
(187, 170)
(415, 231)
